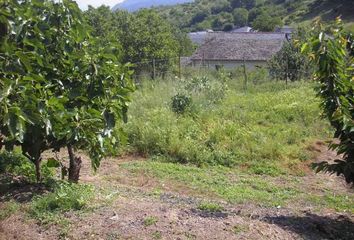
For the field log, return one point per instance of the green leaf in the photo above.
(24, 60)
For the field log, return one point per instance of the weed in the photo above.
(16, 164)
(66, 197)
(156, 235)
(342, 203)
(210, 207)
(149, 221)
(8, 209)
(181, 103)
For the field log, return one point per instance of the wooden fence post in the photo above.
(179, 66)
(245, 74)
(154, 69)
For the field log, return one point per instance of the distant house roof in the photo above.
(240, 46)
(242, 29)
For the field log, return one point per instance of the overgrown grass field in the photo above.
(264, 129)
(240, 144)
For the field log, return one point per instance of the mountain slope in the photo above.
(216, 14)
(133, 5)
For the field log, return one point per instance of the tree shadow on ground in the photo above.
(19, 190)
(315, 227)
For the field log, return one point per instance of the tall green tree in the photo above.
(57, 89)
(221, 20)
(148, 37)
(240, 17)
(145, 38)
(334, 58)
(266, 23)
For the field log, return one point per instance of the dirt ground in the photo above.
(176, 215)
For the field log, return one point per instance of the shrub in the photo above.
(206, 90)
(289, 64)
(16, 164)
(181, 103)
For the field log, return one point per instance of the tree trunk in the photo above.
(37, 164)
(74, 167)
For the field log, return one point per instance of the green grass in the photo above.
(210, 207)
(249, 146)
(235, 186)
(264, 129)
(221, 182)
(149, 221)
(49, 208)
(338, 202)
(8, 209)
(156, 235)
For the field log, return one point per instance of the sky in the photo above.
(84, 3)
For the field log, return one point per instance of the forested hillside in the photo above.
(262, 15)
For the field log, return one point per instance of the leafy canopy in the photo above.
(57, 89)
(334, 58)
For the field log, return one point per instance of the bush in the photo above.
(181, 103)
(206, 90)
(289, 64)
(16, 164)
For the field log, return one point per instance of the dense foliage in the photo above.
(289, 64)
(334, 58)
(57, 89)
(147, 40)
